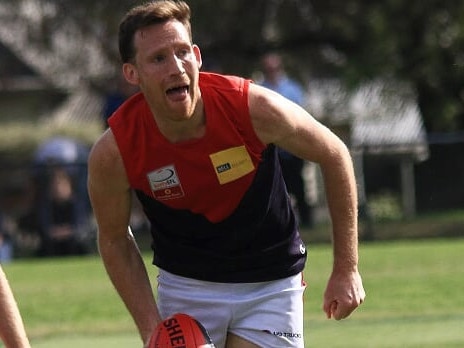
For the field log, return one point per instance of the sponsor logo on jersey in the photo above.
(232, 164)
(165, 183)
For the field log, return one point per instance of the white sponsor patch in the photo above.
(165, 183)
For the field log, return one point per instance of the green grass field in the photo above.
(414, 299)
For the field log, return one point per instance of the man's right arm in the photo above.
(110, 196)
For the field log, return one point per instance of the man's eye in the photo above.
(183, 53)
(159, 59)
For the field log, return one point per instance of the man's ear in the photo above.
(196, 51)
(130, 73)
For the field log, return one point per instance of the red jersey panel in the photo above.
(207, 176)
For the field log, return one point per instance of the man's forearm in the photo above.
(343, 206)
(128, 274)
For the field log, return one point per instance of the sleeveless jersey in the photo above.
(218, 206)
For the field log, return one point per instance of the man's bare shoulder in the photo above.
(104, 157)
(104, 148)
(270, 114)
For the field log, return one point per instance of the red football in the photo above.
(180, 331)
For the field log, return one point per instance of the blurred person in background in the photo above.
(117, 94)
(58, 223)
(60, 212)
(6, 243)
(276, 79)
(12, 331)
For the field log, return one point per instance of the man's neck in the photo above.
(189, 129)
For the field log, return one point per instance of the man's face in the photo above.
(166, 68)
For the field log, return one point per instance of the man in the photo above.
(276, 79)
(199, 150)
(12, 331)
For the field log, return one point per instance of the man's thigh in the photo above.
(234, 341)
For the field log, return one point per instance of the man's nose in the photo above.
(177, 66)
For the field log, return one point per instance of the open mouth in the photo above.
(178, 91)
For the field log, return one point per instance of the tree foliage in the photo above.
(418, 41)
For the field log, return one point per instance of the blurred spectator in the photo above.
(58, 225)
(60, 211)
(117, 94)
(275, 78)
(6, 243)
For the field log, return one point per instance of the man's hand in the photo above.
(344, 293)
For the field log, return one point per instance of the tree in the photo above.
(417, 41)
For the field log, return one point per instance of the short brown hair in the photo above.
(153, 12)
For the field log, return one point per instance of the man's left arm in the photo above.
(281, 122)
(344, 292)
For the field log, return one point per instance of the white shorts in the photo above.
(268, 314)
